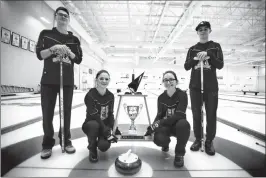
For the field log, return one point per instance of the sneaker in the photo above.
(179, 161)
(46, 153)
(209, 148)
(196, 145)
(165, 149)
(70, 149)
(93, 157)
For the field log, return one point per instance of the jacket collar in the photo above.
(55, 30)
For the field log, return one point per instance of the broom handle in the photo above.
(61, 107)
(202, 119)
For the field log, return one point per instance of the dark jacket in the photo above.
(51, 70)
(100, 108)
(171, 109)
(214, 51)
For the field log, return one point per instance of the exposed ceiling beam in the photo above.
(254, 41)
(230, 7)
(88, 6)
(78, 15)
(181, 25)
(145, 38)
(160, 21)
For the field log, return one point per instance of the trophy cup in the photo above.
(132, 112)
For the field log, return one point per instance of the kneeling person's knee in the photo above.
(91, 127)
(103, 145)
(183, 124)
(161, 139)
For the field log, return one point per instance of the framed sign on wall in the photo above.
(5, 35)
(24, 42)
(15, 39)
(32, 46)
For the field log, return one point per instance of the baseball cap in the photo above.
(202, 24)
(63, 9)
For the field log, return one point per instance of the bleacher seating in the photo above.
(10, 89)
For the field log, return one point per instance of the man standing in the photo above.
(211, 54)
(54, 45)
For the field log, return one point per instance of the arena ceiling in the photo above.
(162, 31)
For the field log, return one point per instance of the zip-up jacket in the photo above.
(210, 82)
(100, 107)
(51, 69)
(171, 109)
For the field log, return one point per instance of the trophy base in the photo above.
(132, 137)
(124, 137)
(137, 135)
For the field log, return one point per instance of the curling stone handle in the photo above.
(128, 153)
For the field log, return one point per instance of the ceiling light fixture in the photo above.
(45, 20)
(227, 24)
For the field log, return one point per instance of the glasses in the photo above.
(63, 15)
(102, 79)
(168, 80)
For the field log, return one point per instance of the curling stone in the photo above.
(128, 163)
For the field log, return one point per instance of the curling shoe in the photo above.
(93, 157)
(46, 153)
(209, 148)
(196, 145)
(70, 149)
(165, 149)
(179, 161)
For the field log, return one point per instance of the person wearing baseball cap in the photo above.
(203, 24)
(62, 9)
(55, 45)
(211, 54)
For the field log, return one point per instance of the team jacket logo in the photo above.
(64, 59)
(206, 65)
(104, 112)
(169, 112)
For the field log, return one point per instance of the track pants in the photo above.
(48, 101)
(181, 130)
(95, 135)
(211, 103)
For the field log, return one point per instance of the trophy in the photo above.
(132, 112)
